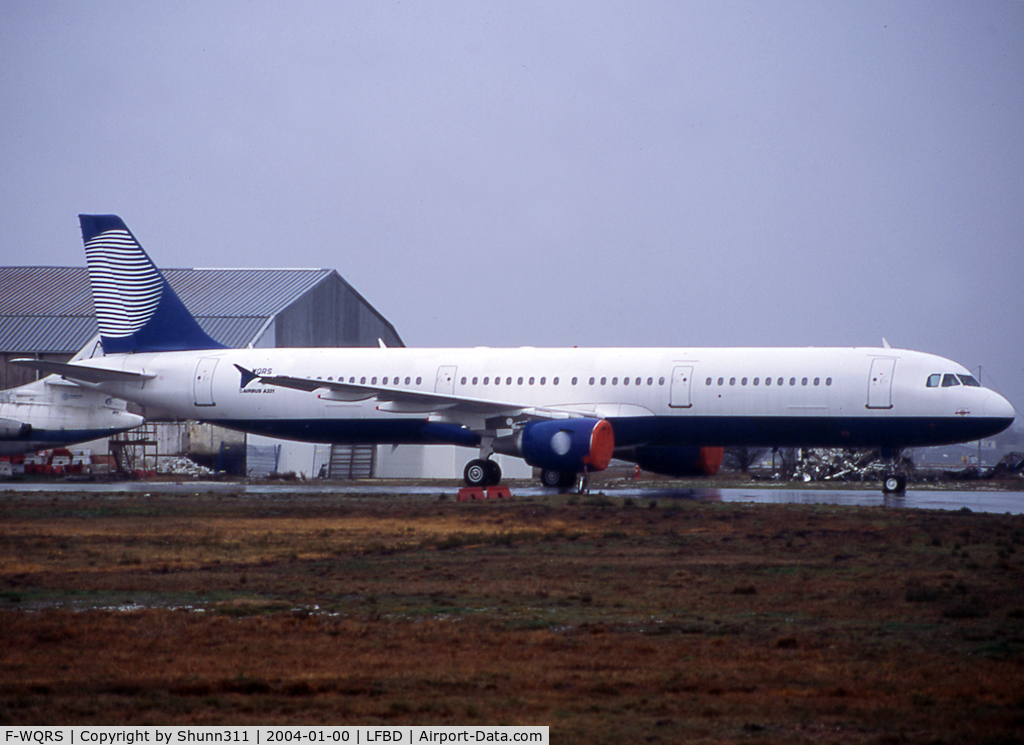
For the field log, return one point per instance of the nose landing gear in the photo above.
(894, 484)
(894, 479)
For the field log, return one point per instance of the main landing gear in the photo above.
(565, 480)
(482, 472)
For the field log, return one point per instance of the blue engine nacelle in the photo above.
(567, 445)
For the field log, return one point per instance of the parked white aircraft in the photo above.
(53, 412)
(565, 411)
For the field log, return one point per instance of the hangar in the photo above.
(47, 313)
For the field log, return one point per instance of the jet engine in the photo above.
(14, 430)
(565, 445)
(678, 461)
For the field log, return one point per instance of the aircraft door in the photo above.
(880, 383)
(679, 390)
(202, 383)
(445, 382)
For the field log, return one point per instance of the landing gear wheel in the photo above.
(894, 484)
(475, 473)
(481, 472)
(555, 479)
(493, 473)
(550, 477)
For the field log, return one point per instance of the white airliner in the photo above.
(564, 411)
(53, 412)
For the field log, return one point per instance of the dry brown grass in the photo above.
(609, 621)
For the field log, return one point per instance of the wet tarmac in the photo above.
(980, 499)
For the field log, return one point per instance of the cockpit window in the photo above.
(969, 380)
(949, 380)
(934, 380)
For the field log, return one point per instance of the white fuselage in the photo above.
(685, 396)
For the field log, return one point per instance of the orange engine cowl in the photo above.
(679, 461)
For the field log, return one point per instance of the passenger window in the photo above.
(544, 380)
(604, 381)
(508, 381)
(969, 380)
(661, 381)
(817, 381)
(487, 380)
(708, 381)
(475, 379)
(615, 381)
(767, 381)
(779, 381)
(757, 381)
(362, 380)
(792, 381)
(949, 380)
(625, 381)
(828, 381)
(461, 382)
(803, 381)
(591, 381)
(732, 381)
(650, 381)
(531, 380)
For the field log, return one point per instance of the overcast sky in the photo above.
(649, 174)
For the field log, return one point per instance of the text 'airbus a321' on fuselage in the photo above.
(565, 411)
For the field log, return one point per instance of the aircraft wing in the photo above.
(402, 400)
(83, 373)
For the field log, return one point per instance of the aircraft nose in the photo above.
(997, 407)
(129, 420)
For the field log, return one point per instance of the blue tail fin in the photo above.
(137, 311)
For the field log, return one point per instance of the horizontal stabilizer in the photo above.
(83, 373)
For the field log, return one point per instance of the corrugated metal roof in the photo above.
(44, 291)
(45, 334)
(64, 290)
(232, 332)
(242, 292)
(49, 309)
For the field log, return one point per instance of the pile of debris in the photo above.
(837, 464)
(182, 466)
(840, 464)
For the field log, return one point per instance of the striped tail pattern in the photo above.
(136, 310)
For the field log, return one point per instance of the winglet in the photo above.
(136, 310)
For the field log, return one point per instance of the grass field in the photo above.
(609, 620)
